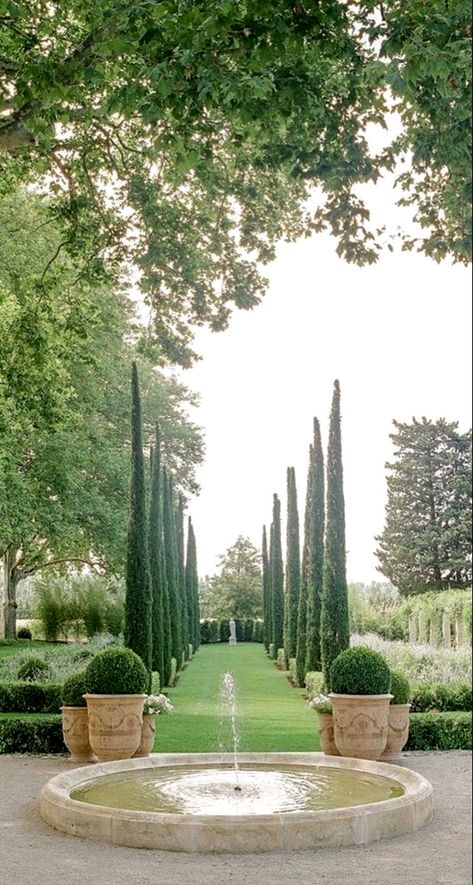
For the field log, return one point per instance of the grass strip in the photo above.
(271, 714)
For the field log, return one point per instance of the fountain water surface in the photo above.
(237, 802)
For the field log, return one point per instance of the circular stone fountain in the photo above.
(249, 803)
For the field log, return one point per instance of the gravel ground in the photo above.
(31, 852)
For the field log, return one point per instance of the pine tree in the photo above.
(267, 615)
(426, 542)
(301, 651)
(155, 559)
(172, 575)
(335, 634)
(316, 555)
(293, 567)
(277, 579)
(181, 573)
(138, 604)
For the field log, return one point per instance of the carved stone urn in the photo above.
(327, 740)
(75, 731)
(360, 724)
(115, 724)
(148, 734)
(398, 732)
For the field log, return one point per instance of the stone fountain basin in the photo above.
(290, 831)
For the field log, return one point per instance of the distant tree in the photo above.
(301, 650)
(335, 631)
(277, 578)
(426, 542)
(293, 567)
(267, 615)
(138, 602)
(316, 554)
(236, 591)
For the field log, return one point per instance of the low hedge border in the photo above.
(439, 731)
(441, 697)
(31, 733)
(30, 697)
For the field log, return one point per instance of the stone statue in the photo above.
(233, 639)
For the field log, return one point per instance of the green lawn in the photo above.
(271, 714)
(25, 645)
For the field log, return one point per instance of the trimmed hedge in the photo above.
(31, 734)
(439, 731)
(30, 697)
(441, 697)
(314, 683)
(400, 688)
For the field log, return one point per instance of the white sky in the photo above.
(396, 335)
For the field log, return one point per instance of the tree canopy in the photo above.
(185, 137)
(236, 591)
(426, 541)
(65, 356)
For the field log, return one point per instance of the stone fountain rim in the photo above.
(264, 832)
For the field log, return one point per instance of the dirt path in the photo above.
(31, 852)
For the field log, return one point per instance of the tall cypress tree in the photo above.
(192, 588)
(316, 554)
(335, 633)
(172, 576)
(155, 559)
(301, 651)
(277, 579)
(293, 566)
(138, 606)
(267, 616)
(181, 574)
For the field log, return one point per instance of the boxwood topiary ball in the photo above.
(400, 688)
(116, 671)
(72, 690)
(360, 670)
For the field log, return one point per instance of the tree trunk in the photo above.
(10, 583)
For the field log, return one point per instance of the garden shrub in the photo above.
(271, 650)
(114, 617)
(443, 697)
(360, 671)
(30, 697)
(173, 676)
(209, 631)
(73, 689)
(24, 633)
(116, 671)
(53, 608)
(248, 630)
(224, 630)
(293, 671)
(31, 734)
(400, 688)
(439, 731)
(314, 683)
(281, 659)
(34, 668)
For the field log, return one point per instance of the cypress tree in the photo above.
(192, 588)
(316, 554)
(155, 559)
(293, 566)
(301, 651)
(335, 634)
(181, 573)
(138, 608)
(266, 593)
(172, 575)
(277, 579)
